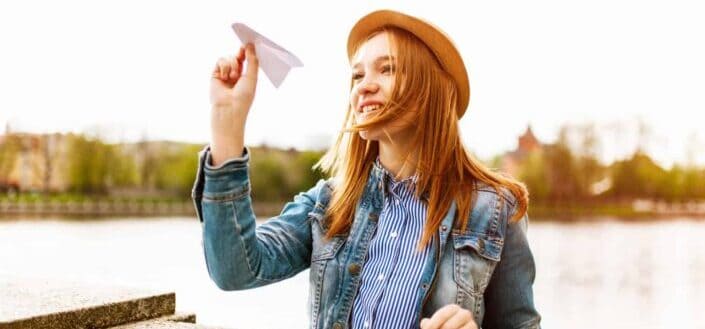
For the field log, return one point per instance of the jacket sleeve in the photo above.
(509, 299)
(238, 254)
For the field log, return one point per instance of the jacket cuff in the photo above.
(226, 181)
(232, 163)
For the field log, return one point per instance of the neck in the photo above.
(398, 159)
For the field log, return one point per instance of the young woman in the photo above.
(410, 231)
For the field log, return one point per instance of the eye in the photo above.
(356, 76)
(388, 68)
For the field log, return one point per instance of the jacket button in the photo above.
(337, 325)
(481, 243)
(354, 268)
(444, 228)
(374, 217)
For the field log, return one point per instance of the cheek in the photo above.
(388, 87)
(353, 96)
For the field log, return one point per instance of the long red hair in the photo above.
(446, 171)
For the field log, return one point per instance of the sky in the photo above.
(131, 70)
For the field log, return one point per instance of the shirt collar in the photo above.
(390, 182)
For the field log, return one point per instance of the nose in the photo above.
(368, 87)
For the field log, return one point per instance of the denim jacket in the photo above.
(485, 267)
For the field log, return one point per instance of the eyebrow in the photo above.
(379, 59)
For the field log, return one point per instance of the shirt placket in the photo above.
(396, 230)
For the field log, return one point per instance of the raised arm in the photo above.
(239, 255)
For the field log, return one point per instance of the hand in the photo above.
(231, 96)
(450, 316)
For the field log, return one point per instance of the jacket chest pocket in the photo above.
(475, 256)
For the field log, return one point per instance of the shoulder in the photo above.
(486, 192)
(320, 194)
(490, 211)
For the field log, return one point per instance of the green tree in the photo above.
(176, 169)
(534, 174)
(561, 171)
(306, 176)
(88, 165)
(123, 169)
(639, 176)
(268, 178)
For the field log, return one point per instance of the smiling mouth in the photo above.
(371, 108)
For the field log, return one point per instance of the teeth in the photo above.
(369, 108)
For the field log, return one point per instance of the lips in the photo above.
(371, 108)
(370, 105)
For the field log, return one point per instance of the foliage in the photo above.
(566, 172)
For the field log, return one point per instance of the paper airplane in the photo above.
(274, 60)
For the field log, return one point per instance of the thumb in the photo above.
(252, 62)
(423, 322)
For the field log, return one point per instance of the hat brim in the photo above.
(440, 43)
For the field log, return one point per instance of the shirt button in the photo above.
(380, 277)
(393, 234)
(396, 202)
(366, 324)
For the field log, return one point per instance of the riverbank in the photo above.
(629, 211)
(108, 208)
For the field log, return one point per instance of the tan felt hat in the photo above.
(437, 40)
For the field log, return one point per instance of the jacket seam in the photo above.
(230, 196)
(246, 248)
(247, 257)
(510, 200)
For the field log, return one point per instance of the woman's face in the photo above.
(373, 80)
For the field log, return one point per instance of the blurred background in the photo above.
(595, 106)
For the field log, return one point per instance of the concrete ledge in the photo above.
(47, 304)
(180, 317)
(161, 324)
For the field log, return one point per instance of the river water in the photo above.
(600, 273)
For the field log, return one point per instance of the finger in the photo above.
(235, 69)
(216, 69)
(441, 316)
(240, 59)
(458, 320)
(223, 68)
(423, 323)
(218, 72)
(226, 69)
(241, 54)
(252, 62)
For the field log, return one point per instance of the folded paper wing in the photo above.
(274, 60)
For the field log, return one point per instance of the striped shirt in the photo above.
(392, 273)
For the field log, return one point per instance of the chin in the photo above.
(369, 136)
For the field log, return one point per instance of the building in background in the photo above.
(527, 143)
(32, 162)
